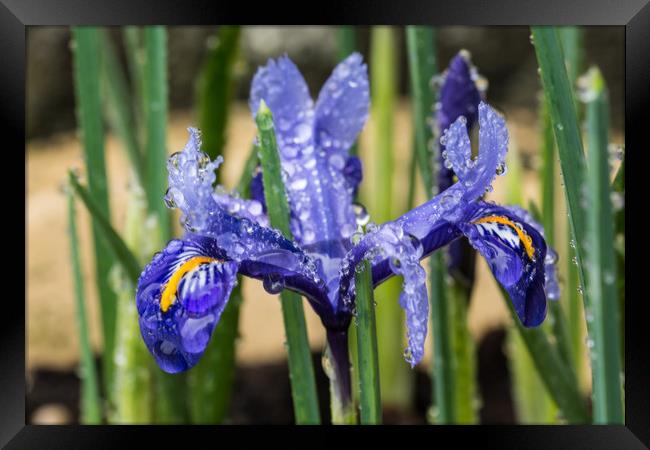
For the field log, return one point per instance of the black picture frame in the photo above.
(16, 15)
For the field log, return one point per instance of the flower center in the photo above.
(169, 293)
(526, 240)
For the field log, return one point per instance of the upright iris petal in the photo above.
(321, 178)
(460, 95)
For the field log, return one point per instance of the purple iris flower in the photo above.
(461, 92)
(183, 291)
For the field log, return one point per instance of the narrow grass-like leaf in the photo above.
(618, 197)
(369, 398)
(397, 386)
(421, 49)
(134, 48)
(558, 92)
(118, 106)
(115, 244)
(155, 112)
(210, 382)
(301, 370)
(422, 68)
(463, 363)
(248, 172)
(571, 40)
(601, 307)
(215, 88)
(531, 399)
(547, 219)
(89, 117)
(553, 370)
(559, 95)
(132, 399)
(91, 409)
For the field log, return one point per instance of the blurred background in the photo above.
(503, 55)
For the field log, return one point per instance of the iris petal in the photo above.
(342, 106)
(551, 286)
(243, 208)
(515, 252)
(280, 84)
(390, 247)
(476, 176)
(199, 285)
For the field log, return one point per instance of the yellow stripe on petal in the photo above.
(523, 237)
(169, 293)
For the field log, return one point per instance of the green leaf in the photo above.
(571, 40)
(89, 117)
(369, 398)
(155, 112)
(397, 387)
(210, 382)
(119, 110)
(215, 88)
(115, 244)
(552, 369)
(602, 307)
(303, 383)
(559, 96)
(132, 399)
(422, 68)
(531, 398)
(91, 409)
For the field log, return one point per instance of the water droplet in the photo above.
(618, 200)
(302, 133)
(299, 184)
(502, 169)
(273, 284)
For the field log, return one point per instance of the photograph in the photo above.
(346, 225)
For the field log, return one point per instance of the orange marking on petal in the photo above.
(523, 237)
(169, 293)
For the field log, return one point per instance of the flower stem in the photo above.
(369, 399)
(336, 363)
(301, 370)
